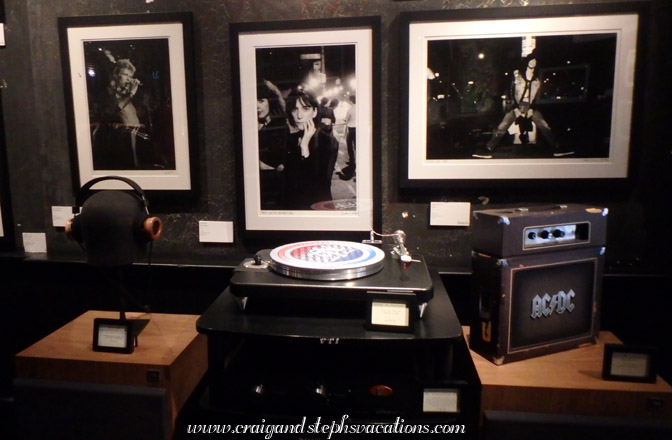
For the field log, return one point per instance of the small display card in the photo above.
(390, 314)
(440, 400)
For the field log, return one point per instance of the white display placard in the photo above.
(390, 313)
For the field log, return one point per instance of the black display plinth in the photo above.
(310, 322)
(286, 364)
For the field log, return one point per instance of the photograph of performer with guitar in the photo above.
(129, 106)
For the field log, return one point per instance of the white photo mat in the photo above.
(360, 219)
(177, 179)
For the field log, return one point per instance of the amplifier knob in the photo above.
(321, 391)
(381, 390)
(558, 233)
(544, 234)
(318, 396)
(532, 235)
(258, 390)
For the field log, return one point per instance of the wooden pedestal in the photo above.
(171, 354)
(569, 382)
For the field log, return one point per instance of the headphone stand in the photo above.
(137, 325)
(112, 228)
(117, 335)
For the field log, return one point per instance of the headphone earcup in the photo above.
(147, 228)
(73, 229)
(151, 228)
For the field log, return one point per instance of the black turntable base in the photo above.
(395, 278)
(392, 298)
(224, 317)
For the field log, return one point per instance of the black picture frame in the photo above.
(278, 53)
(445, 134)
(7, 239)
(630, 363)
(152, 139)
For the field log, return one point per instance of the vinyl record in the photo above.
(327, 260)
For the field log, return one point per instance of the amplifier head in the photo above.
(523, 231)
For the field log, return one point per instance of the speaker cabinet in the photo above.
(534, 305)
(537, 280)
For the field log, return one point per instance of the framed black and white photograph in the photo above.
(128, 80)
(305, 100)
(518, 93)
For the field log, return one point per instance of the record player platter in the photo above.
(327, 260)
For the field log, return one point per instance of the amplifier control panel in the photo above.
(535, 237)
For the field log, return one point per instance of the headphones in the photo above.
(145, 227)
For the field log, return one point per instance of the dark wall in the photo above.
(38, 297)
(39, 167)
(33, 101)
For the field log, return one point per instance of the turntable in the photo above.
(391, 289)
(331, 328)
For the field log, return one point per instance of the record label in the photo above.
(327, 259)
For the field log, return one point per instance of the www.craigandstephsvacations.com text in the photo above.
(329, 428)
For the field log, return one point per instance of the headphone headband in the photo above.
(82, 194)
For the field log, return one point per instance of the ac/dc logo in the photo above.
(544, 306)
